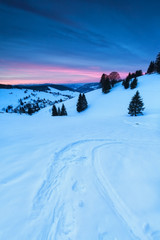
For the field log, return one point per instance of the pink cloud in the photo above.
(18, 73)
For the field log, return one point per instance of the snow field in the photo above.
(93, 175)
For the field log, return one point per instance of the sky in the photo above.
(69, 41)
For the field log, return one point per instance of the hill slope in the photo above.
(90, 175)
(12, 97)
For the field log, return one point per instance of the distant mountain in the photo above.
(83, 87)
(88, 87)
(79, 87)
(5, 86)
(37, 87)
(74, 86)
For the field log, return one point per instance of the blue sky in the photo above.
(75, 41)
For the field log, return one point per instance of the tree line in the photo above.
(81, 105)
(154, 66)
(59, 112)
(108, 81)
(136, 105)
(131, 80)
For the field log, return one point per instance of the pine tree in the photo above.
(37, 107)
(54, 111)
(130, 76)
(103, 78)
(63, 111)
(106, 86)
(79, 103)
(151, 67)
(58, 112)
(138, 73)
(136, 105)
(21, 110)
(84, 102)
(30, 110)
(134, 83)
(20, 101)
(125, 83)
(157, 63)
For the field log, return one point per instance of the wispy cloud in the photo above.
(77, 35)
(16, 73)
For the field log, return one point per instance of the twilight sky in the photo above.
(67, 41)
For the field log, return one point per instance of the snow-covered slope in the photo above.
(90, 175)
(11, 97)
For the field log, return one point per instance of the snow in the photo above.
(90, 175)
(12, 96)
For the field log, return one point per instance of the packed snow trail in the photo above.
(107, 190)
(53, 204)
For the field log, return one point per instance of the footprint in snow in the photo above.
(77, 187)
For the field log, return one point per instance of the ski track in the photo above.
(53, 222)
(106, 190)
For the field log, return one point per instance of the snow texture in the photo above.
(91, 175)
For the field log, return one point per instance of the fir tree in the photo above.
(125, 83)
(58, 112)
(103, 78)
(30, 110)
(133, 75)
(151, 67)
(54, 111)
(106, 86)
(157, 63)
(136, 105)
(113, 82)
(134, 83)
(130, 76)
(37, 107)
(20, 101)
(63, 111)
(79, 103)
(84, 102)
(21, 110)
(138, 73)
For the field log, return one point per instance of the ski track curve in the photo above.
(45, 195)
(45, 199)
(106, 190)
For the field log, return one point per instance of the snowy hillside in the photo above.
(92, 175)
(12, 97)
